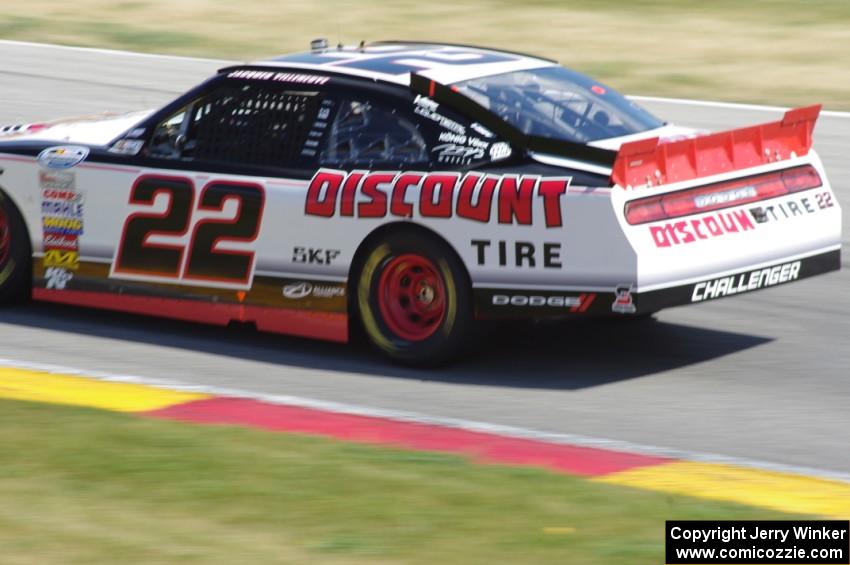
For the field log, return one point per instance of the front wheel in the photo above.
(414, 299)
(14, 254)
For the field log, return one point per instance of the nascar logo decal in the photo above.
(510, 198)
(63, 157)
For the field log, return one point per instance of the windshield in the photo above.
(557, 103)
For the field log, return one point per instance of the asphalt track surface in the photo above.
(762, 376)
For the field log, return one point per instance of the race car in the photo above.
(407, 189)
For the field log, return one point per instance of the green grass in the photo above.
(85, 486)
(770, 51)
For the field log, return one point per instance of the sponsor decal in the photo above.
(62, 208)
(535, 300)
(456, 154)
(801, 206)
(295, 78)
(688, 231)
(303, 289)
(507, 199)
(318, 129)
(61, 258)
(427, 108)
(500, 151)
(517, 253)
(62, 157)
(314, 256)
(482, 130)
(62, 226)
(746, 282)
(60, 184)
(61, 241)
(127, 146)
(57, 278)
(623, 302)
(549, 303)
(725, 197)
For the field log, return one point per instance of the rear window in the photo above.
(557, 103)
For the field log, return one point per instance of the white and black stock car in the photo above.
(413, 187)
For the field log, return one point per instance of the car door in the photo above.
(197, 224)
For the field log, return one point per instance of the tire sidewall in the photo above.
(15, 268)
(446, 340)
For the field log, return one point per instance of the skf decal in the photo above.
(689, 231)
(474, 196)
(314, 256)
(746, 282)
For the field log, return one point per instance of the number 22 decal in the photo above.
(201, 260)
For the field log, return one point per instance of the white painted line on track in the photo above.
(415, 417)
(113, 52)
(682, 101)
(729, 105)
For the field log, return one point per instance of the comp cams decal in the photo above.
(509, 199)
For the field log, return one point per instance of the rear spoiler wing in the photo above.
(647, 162)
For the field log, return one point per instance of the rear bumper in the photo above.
(738, 282)
(500, 303)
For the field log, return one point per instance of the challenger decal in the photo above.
(746, 282)
(480, 197)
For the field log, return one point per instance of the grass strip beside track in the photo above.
(79, 485)
(782, 52)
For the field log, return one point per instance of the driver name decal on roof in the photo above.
(297, 78)
(509, 199)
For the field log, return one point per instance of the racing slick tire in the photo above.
(15, 256)
(413, 298)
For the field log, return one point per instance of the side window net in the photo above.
(365, 134)
(251, 125)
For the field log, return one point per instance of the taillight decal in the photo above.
(719, 196)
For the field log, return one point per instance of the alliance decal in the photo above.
(474, 196)
(303, 289)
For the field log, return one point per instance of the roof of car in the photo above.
(395, 61)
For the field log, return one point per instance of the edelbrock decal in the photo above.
(63, 156)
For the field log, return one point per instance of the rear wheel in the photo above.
(413, 298)
(14, 254)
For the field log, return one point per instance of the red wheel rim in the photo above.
(5, 237)
(412, 297)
